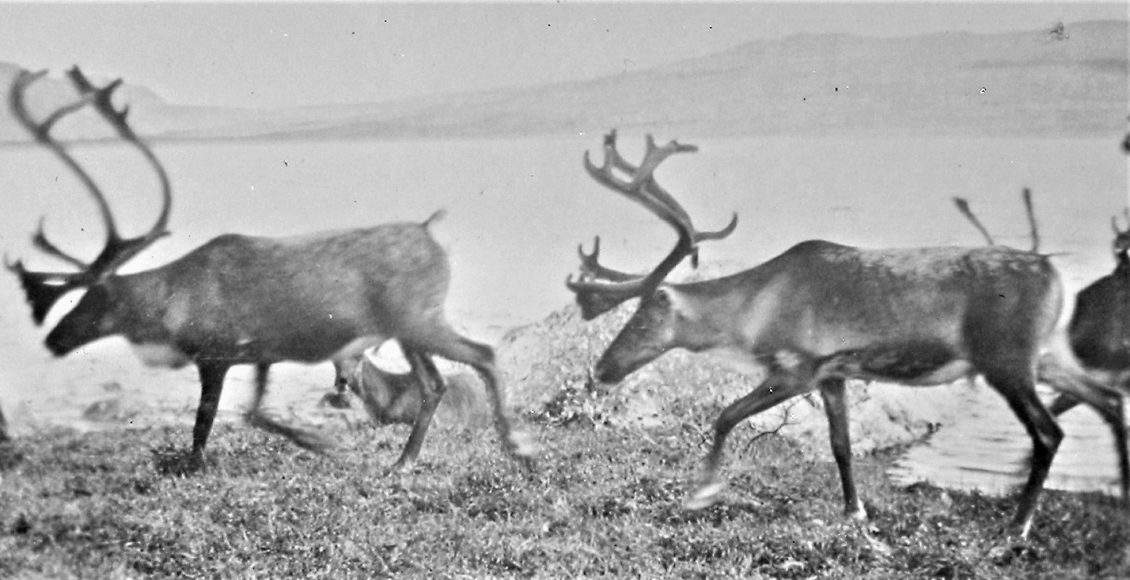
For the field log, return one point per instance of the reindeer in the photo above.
(392, 398)
(821, 313)
(252, 300)
(1099, 329)
(1100, 325)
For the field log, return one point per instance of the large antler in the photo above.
(43, 289)
(600, 289)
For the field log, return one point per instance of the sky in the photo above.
(269, 54)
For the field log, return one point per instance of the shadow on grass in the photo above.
(170, 460)
(10, 456)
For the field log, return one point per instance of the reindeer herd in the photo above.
(811, 318)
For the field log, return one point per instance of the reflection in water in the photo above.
(987, 448)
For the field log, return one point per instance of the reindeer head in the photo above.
(90, 318)
(648, 333)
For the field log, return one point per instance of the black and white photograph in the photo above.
(566, 289)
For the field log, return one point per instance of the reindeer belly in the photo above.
(738, 360)
(308, 336)
(156, 354)
(316, 345)
(910, 363)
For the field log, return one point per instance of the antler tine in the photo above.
(42, 133)
(592, 269)
(612, 155)
(119, 252)
(642, 188)
(46, 124)
(656, 155)
(41, 129)
(661, 196)
(683, 219)
(717, 234)
(40, 241)
(632, 188)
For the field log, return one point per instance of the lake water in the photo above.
(518, 208)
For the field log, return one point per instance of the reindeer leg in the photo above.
(211, 385)
(342, 369)
(378, 413)
(447, 343)
(432, 388)
(1074, 387)
(1019, 388)
(304, 438)
(1052, 373)
(341, 374)
(777, 388)
(835, 406)
(1063, 403)
(1109, 406)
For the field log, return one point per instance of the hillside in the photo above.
(1036, 83)
(546, 365)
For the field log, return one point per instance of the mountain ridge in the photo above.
(1069, 81)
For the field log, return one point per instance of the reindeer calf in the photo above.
(395, 398)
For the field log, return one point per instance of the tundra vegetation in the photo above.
(605, 499)
(822, 313)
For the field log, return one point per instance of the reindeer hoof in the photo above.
(336, 401)
(521, 445)
(195, 465)
(705, 497)
(856, 512)
(403, 465)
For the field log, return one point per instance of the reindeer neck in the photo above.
(706, 307)
(1122, 267)
(147, 295)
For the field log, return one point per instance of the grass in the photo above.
(602, 502)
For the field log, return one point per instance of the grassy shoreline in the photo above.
(602, 502)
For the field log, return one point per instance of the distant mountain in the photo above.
(149, 113)
(1040, 83)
